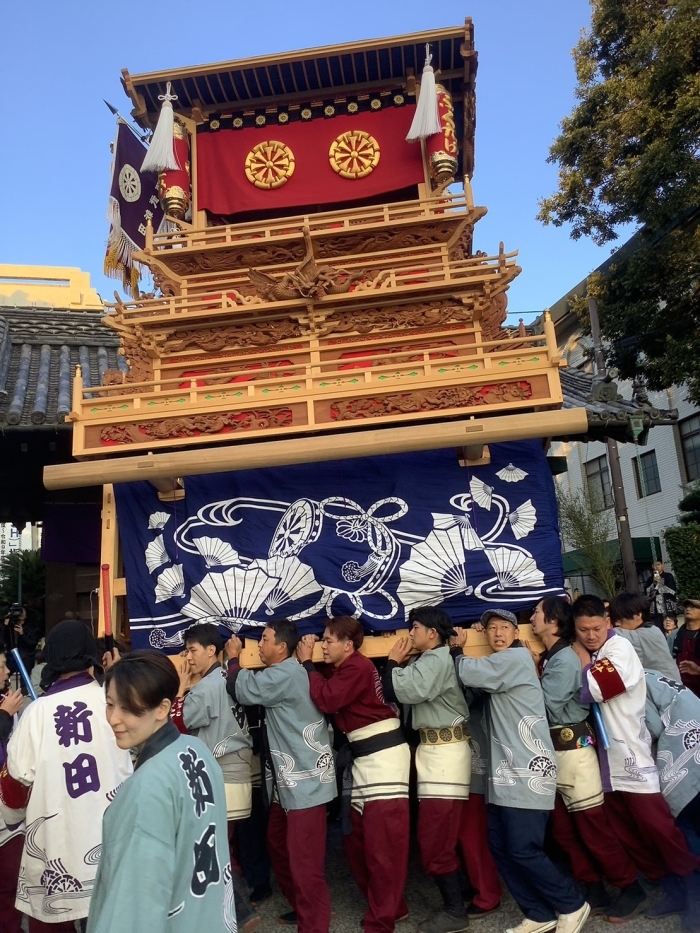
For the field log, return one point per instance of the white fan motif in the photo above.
(216, 552)
(171, 582)
(481, 493)
(230, 597)
(514, 569)
(523, 519)
(158, 520)
(470, 539)
(156, 554)
(435, 570)
(511, 474)
(294, 580)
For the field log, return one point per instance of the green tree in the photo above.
(629, 153)
(589, 529)
(33, 582)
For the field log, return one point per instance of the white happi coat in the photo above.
(65, 749)
(615, 680)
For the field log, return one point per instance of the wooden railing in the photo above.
(394, 272)
(331, 222)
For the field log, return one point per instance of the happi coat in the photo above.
(207, 713)
(352, 694)
(429, 686)
(11, 821)
(522, 766)
(297, 734)
(65, 749)
(615, 680)
(165, 860)
(652, 649)
(673, 719)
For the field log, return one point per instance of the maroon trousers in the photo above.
(478, 862)
(439, 824)
(10, 858)
(377, 851)
(296, 842)
(645, 827)
(39, 926)
(593, 847)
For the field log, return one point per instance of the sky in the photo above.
(59, 60)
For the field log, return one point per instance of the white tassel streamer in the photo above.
(426, 120)
(161, 152)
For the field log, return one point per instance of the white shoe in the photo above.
(533, 926)
(572, 923)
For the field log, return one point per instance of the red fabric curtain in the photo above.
(223, 186)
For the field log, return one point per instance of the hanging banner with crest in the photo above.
(371, 537)
(133, 201)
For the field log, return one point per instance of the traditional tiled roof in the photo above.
(39, 352)
(609, 414)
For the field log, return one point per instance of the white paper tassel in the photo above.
(161, 153)
(426, 120)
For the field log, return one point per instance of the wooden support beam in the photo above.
(109, 554)
(364, 443)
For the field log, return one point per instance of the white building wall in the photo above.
(653, 513)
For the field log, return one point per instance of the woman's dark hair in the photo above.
(432, 617)
(557, 609)
(142, 680)
(285, 633)
(345, 627)
(627, 605)
(204, 634)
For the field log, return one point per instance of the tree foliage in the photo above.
(690, 506)
(589, 529)
(629, 153)
(33, 581)
(683, 544)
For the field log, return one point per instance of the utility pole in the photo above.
(624, 534)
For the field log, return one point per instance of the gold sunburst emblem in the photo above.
(354, 154)
(269, 165)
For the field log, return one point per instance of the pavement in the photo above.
(348, 906)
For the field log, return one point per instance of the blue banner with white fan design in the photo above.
(370, 537)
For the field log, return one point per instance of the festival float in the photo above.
(319, 409)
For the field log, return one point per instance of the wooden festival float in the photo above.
(317, 295)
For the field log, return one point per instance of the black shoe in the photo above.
(260, 893)
(597, 896)
(289, 919)
(474, 912)
(673, 901)
(443, 922)
(631, 902)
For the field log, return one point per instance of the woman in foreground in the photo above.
(164, 857)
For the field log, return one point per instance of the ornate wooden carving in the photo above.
(406, 403)
(227, 260)
(140, 367)
(172, 428)
(212, 339)
(423, 314)
(333, 247)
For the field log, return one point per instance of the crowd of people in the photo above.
(138, 793)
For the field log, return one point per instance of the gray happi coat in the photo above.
(652, 649)
(207, 714)
(297, 733)
(673, 719)
(429, 686)
(522, 765)
(561, 686)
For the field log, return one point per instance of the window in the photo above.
(690, 442)
(598, 479)
(646, 474)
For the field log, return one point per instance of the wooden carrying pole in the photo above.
(256, 455)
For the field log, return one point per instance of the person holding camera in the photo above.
(661, 590)
(17, 632)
